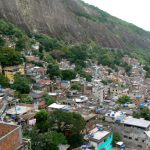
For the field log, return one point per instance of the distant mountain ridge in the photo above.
(74, 21)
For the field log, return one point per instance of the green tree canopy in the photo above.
(48, 99)
(83, 74)
(143, 113)
(9, 57)
(4, 82)
(47, 42)
(46, 141)
(57, 54)
(116, 137)
(25, 98)
(68, 74)
(78, 54)
(21, 44)
(21, 84)
(2, 42)
(53, 71)
(76, 86)
(71, 124)
(42, 121)
(124, 99)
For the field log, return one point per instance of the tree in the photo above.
(48, 99)
(53, 71)
(21, 44)
(85, 75)
(2, 42)
(47, 42)
(25, 98)
(57, 138)
(57, 54)
(68, 74)
(21, 84)
(116, 137)
(127, 68)
(147, 68)
(46, 141)
(77, 54)
(9, 57)
(4, 82)
(124, 99)
(48, 58)
(71, 124)
(75, 140)
(143, 113)
(42, 121)
(7, 28)
(76, 86)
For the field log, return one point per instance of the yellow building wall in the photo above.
(10, 76)
(22, 69)
(10, 71)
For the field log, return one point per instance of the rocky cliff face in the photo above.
(73, 21)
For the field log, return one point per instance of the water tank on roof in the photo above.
(91, 135)
(100, 129)
(118, 121)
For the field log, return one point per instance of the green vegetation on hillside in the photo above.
(2, 42)
(15, 34)
(4, 82)
(52, 49)
(10, 57)
(58, 128)
(48, 99)
(147, 68)
(21, 84)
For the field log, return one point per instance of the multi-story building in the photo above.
(135, 133)
(11, 137)
(10, 71)
(100, 139)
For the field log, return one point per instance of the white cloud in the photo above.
(133, 11)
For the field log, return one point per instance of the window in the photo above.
(139, 146)
(125, 136)
(130, 137)
(136, 139)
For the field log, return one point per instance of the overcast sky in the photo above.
(133, 11)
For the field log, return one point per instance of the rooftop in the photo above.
(88, 116)
(136, 122)
(56, 106)
(98, 135)
(18, 110)
(47, 82)
(52, 94)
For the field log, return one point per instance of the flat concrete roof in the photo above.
(56, 106)
(88, 116)
(136, 122)
(98, 135)
(18, 110)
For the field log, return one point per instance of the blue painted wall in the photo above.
(107, 145)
